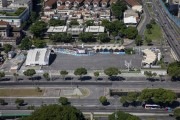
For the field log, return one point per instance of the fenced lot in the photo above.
(96, 62)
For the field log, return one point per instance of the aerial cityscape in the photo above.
(89, 60)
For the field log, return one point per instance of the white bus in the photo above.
(152, 106)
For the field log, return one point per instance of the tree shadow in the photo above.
(99, 79)
(126, 104)
(174, 79)
(68, 78)
(5, 79)
(84, 78)
(152, 79)
(52, 58)
(106, 103)
(174, 104)
(116, 78)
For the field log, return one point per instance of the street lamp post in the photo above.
(116, 98)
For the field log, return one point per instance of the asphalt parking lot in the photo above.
(96, 62)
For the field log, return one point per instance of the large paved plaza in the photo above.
(96, 62)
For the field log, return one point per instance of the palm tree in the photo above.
(16, 75)
(63, 74)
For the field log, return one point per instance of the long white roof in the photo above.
(130, 19)
(57, 29)
(96, 29)
(38, 57)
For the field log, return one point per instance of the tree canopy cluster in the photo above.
(112, 71)
(118, 27)
(39, 43)
(55, 22)
(122, 116)
(26, 44)
(158, 96)
(118, 8)
(177, 113)
(38, 28)
(87, 37)
(56, 112)
(174, 70)
(131, 98)
(7, 48)
(61, 37)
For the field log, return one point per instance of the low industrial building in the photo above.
(38, 57)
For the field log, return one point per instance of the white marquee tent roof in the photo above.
(38, 57)
(150, 56)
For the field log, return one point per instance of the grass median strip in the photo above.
(20, 93)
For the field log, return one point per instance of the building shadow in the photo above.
(52, 58)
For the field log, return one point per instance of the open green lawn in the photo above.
(156, 33)
(20, 92)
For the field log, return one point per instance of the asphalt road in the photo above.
(170, 33)
(147, 18)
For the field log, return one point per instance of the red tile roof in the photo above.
(132, 2)
(104, 1)
(79, 1)
(50, 2)
(3, 23)
(112, 1)
(71, 1)
(96, 1)
(87, 1)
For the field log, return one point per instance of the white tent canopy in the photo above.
(150, 56)
(38, 57)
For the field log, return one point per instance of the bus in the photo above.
(152, 106)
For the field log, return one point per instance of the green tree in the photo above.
(132, 97)
(118, 8)
(103, 100)
(96, 74)
(112, 71)
(122, 116)
(177, 113)
(7, 48)
(149, 74)
(152, 22)
(55, 22)
(2, 101)
(19, 101)
(33, 16)
(56, 112)
(174, 70)
(138, 40)
(61, 37)
(63, 101)
(26, 44)
(63, 74)
(103, 37)
(159, 96)
(38, 28)
(2, 74)
(148, 41)
(29, 73)
(89, 23)
(148, 26)
(131, 32)
(80, 72)
(86, 37)
(105, 23)
(123, 100)
(46, 76)
(39, 43)
(15, 76)
(74, 23)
